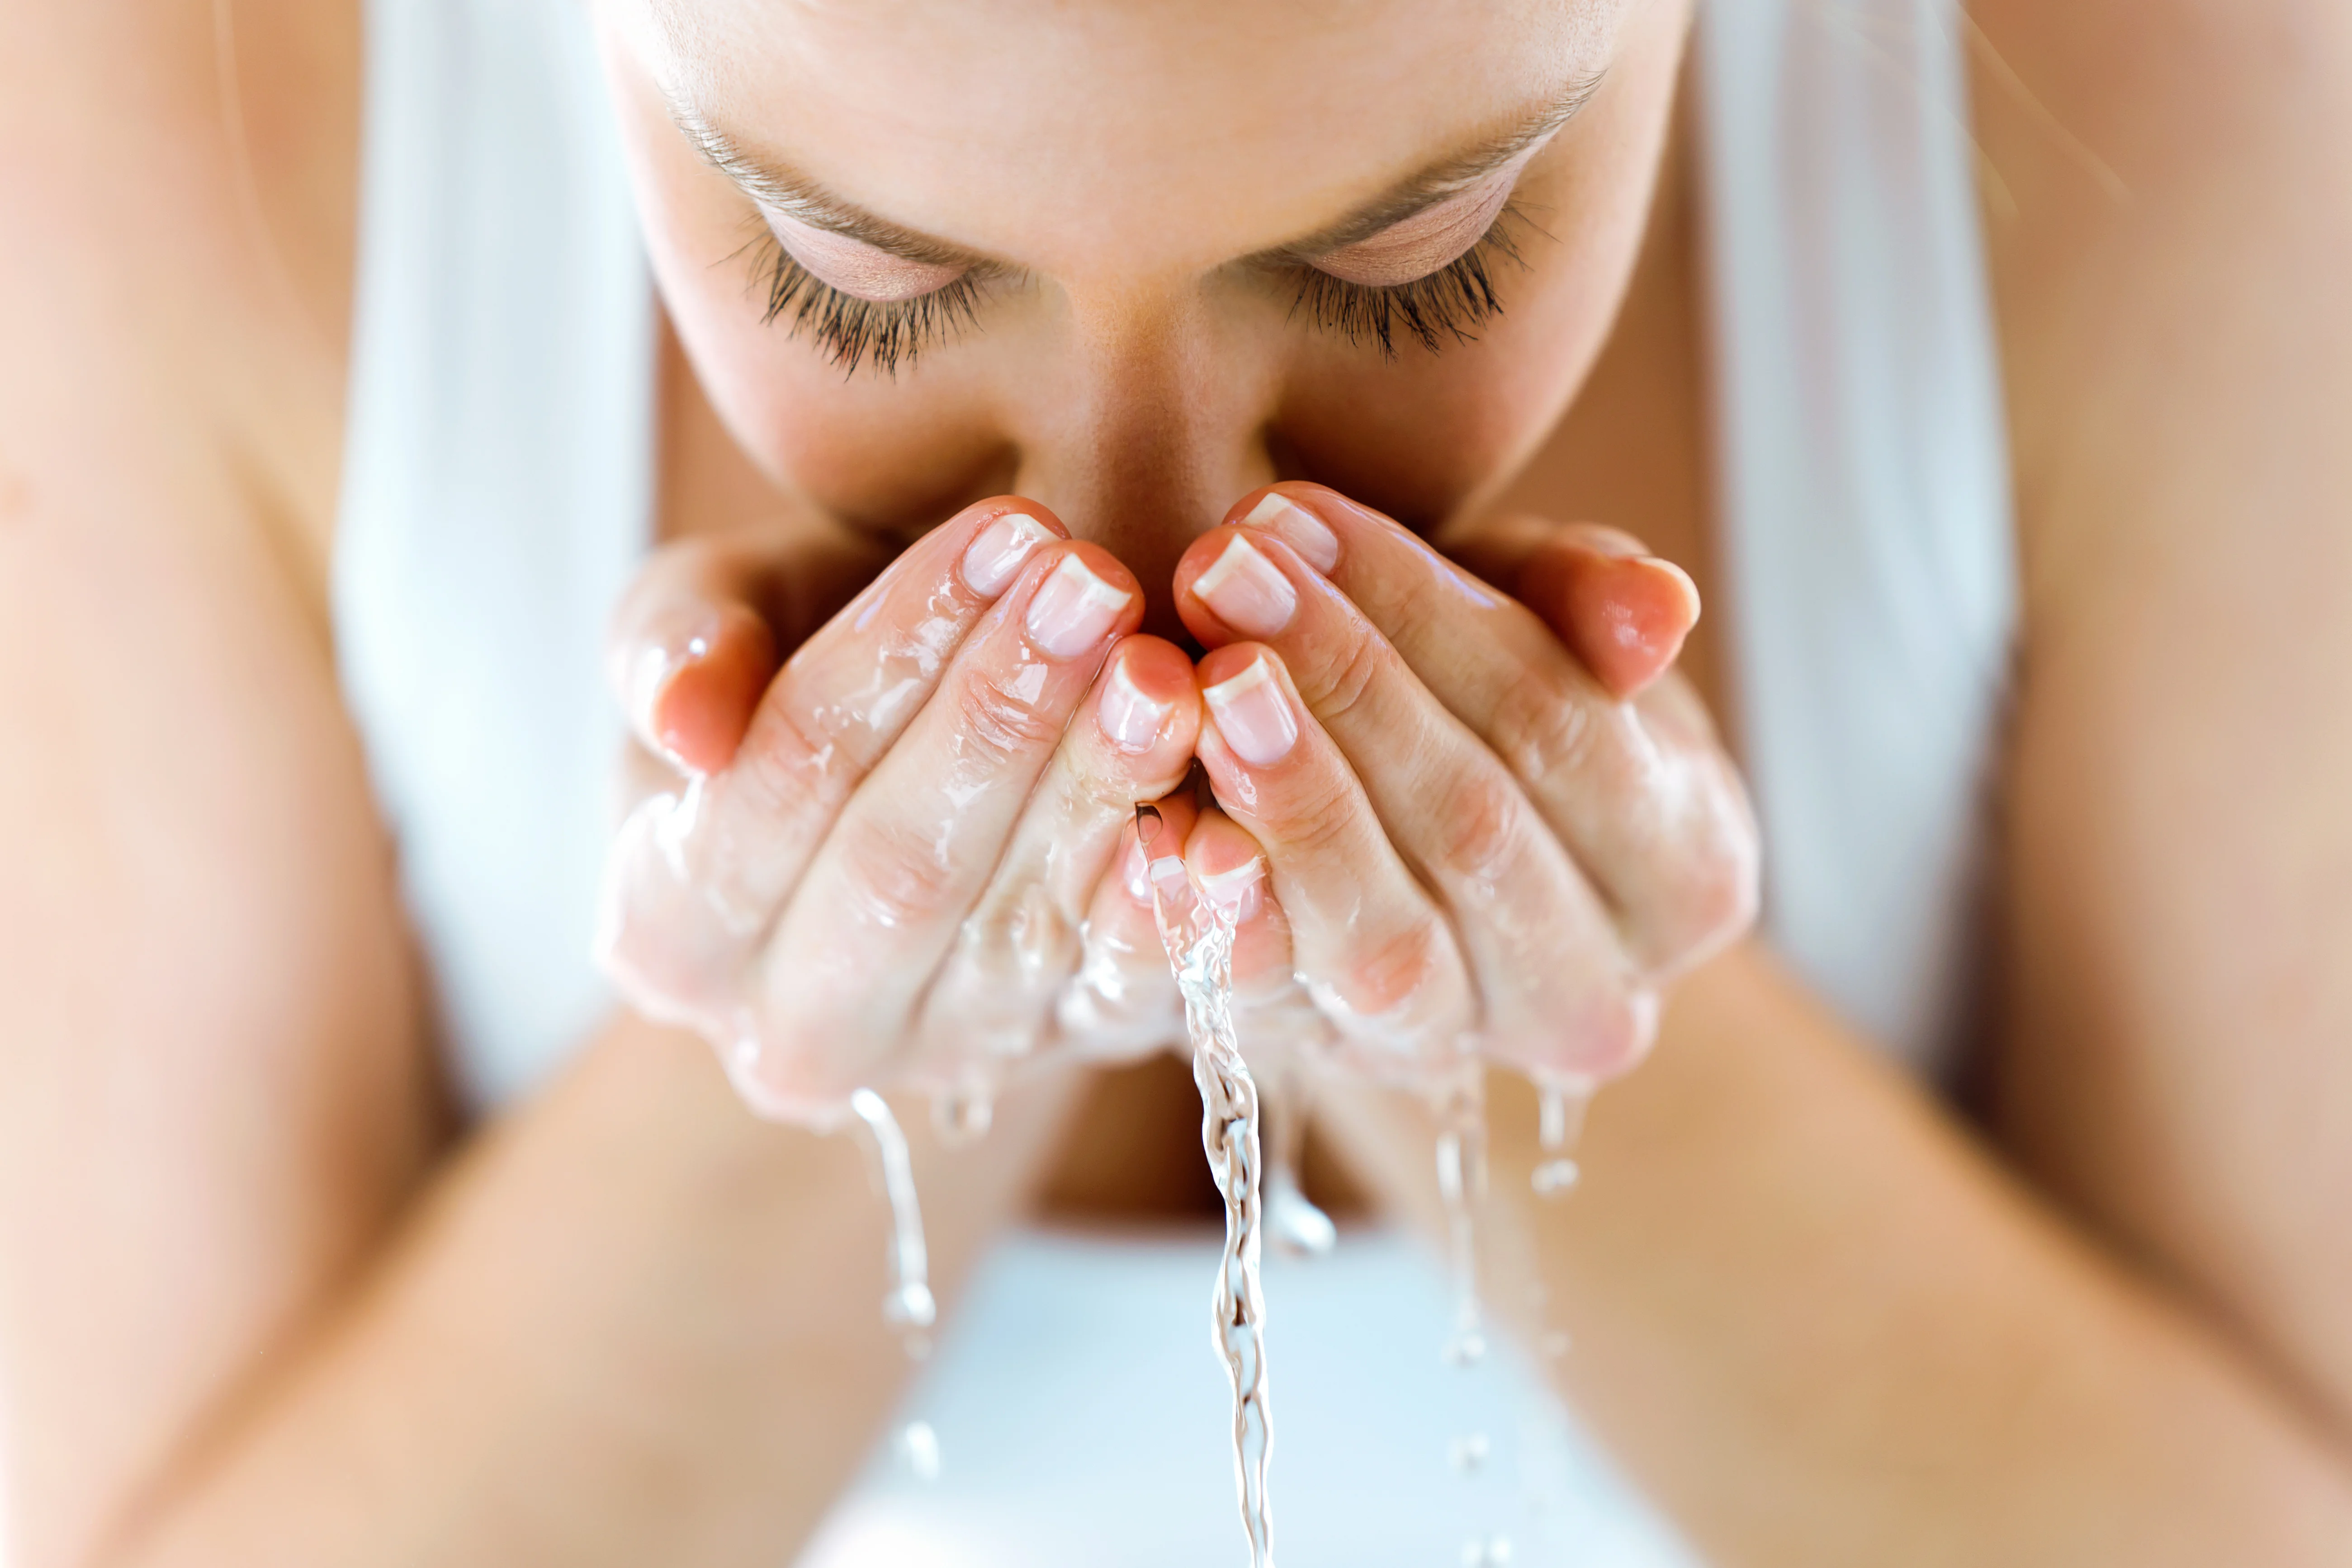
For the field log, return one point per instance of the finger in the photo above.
(1271, 1011)
(695, 876)
(869, 925)
(695, 640)
(1640, 792)
(1377, 953)
(1624, 612)
(844, 695)
(1131, 742)
(1121, 1001)
(1551, 964)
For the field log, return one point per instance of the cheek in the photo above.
(1423, 435)
(1426, 434)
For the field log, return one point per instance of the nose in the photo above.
(1146, 435)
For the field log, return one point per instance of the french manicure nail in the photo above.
(1297, 527)
(1252, 716)
(1248, 591)
(1233, 888)
(998, 550)
(1130, 718)
(1072, 610)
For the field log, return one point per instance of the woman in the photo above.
(1132, 264)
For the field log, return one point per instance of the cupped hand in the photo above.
(895, 859)
(1483, 823)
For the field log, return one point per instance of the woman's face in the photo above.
(1134, 258)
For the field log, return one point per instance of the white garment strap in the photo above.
(1868, 520)
(496, 492)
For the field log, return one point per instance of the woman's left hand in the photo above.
(1488, 824)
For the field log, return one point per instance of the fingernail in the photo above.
(1297, 527)
(1248, 591)
(1130, 718)
(1253, 716)
(657, 665)
(1235, 889)
(1073, 609)
(997, 552)
(1679, 581)
(1167, 880)
(1136, 871)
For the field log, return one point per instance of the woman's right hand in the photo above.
(899, 860)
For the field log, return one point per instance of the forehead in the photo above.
(1099, 130)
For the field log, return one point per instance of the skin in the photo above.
(1818, 1317)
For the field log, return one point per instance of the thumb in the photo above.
(1621, 611)
(699, 634)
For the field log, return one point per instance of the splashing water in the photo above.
(1198, 933)
(909, 1308)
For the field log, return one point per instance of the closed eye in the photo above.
(857, 304)
(1450, 304)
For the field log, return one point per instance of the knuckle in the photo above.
(1345, 681)
(1027, 940)
(1314, 819)
(1710, 891)
(1543, 734)
(1484, 826)
(892, 881)
(1601, 1032)
(1384, 976)
(784, 767)
(999, 722)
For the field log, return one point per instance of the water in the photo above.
(909, 1308)
(1461, 1182)
(961, 1116)
(1296, 1228)
(1199, 936)
(1562, 1103)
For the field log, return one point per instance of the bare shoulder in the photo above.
(180, 180)
(2169, 196)
(2168, 187)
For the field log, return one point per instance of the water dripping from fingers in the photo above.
(1461, 1182)
(1293, 1222)
(1562, 1103)
(908, 1310)
(1198, 933)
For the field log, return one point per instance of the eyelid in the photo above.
(854, 267)
(1430, 239)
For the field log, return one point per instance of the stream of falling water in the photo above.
(909, 1308)
(1199, 936)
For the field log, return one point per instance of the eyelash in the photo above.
(851, 332)
(1450, 303)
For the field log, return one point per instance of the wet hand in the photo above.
(894, 860)
(1482, 822)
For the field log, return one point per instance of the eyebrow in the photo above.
(797, 196)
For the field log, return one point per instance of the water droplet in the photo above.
(962, 1117)
(1465, 1347)
(1469, 1455)
(1296, 1228)
(1486, 1551)
(1554, 1178)
(1554, 1344)
(919, 1450)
